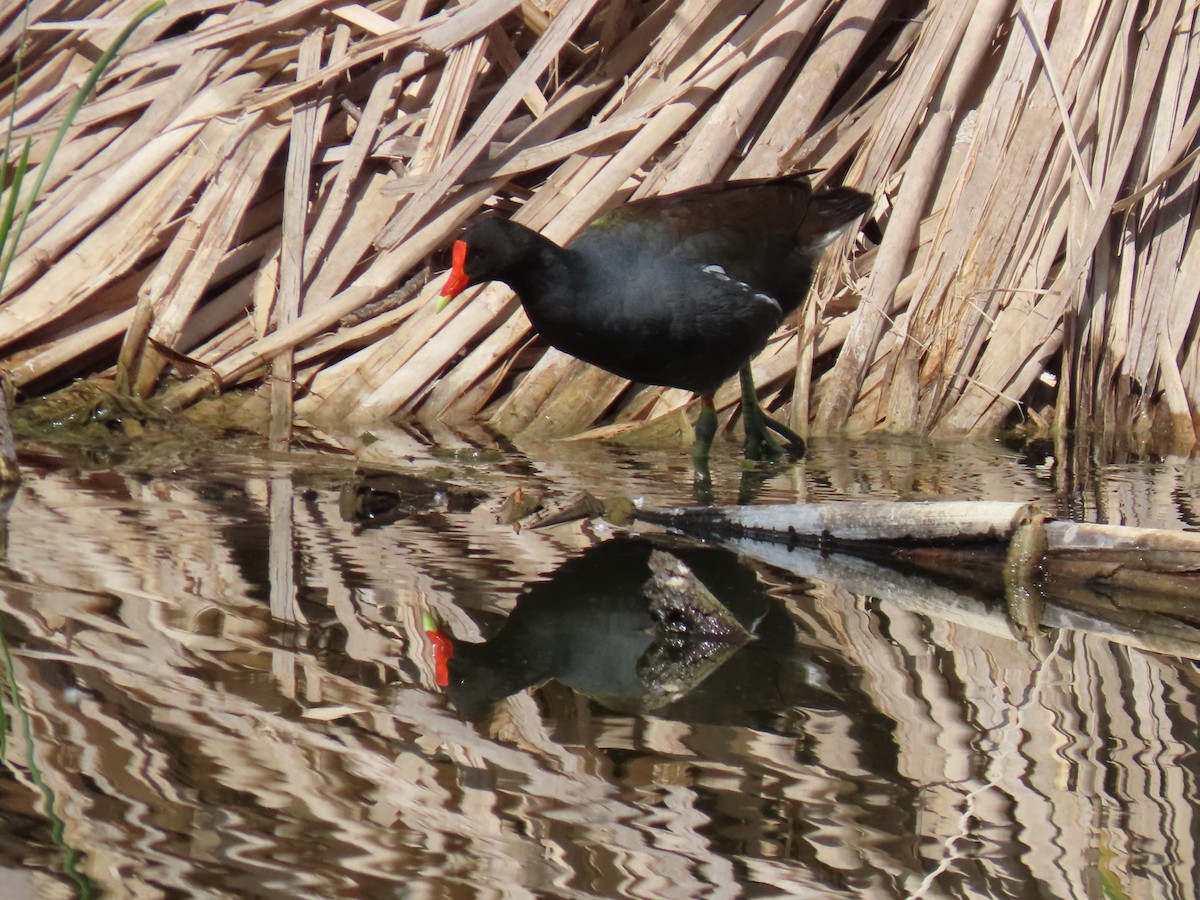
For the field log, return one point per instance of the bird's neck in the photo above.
(545, 275)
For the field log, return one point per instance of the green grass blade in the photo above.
(10, 208)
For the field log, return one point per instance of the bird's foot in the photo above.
(793, 444)
(762, 446)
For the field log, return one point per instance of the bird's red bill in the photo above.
(456, 282)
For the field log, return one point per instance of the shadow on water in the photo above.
(220, 683)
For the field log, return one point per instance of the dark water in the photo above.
(216, 684)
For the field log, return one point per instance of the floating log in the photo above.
(1120, 556)
(815, 524)
(932, 523)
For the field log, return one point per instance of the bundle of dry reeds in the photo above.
(264, 191)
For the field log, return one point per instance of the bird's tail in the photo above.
(829, 212)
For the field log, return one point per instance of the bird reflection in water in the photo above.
(620, 624)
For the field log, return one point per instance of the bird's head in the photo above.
(488, 250)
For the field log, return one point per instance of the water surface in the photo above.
(217, 684)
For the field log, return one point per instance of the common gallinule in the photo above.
(680, 290)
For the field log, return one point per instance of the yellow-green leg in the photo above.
(706, 430)
(758, 426)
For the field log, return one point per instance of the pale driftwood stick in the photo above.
(912, 591)
(1084, 537)
(1155, 561)
(931, 521)
(1068, 604)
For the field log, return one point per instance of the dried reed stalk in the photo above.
(1034, 164)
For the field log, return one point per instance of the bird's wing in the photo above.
(706, 224)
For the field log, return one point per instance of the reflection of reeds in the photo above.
(1033, 163)
(190, 738)
(20, 721)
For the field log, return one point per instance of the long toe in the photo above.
(759, 443)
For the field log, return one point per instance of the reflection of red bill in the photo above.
(443, 649)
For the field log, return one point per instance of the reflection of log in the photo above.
(980, 608)
(1134, 585)
(1122, 617)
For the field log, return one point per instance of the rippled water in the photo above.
(218, 683)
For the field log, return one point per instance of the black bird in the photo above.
(681, 290)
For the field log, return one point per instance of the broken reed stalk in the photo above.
(10, 237)
(1000, 140)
